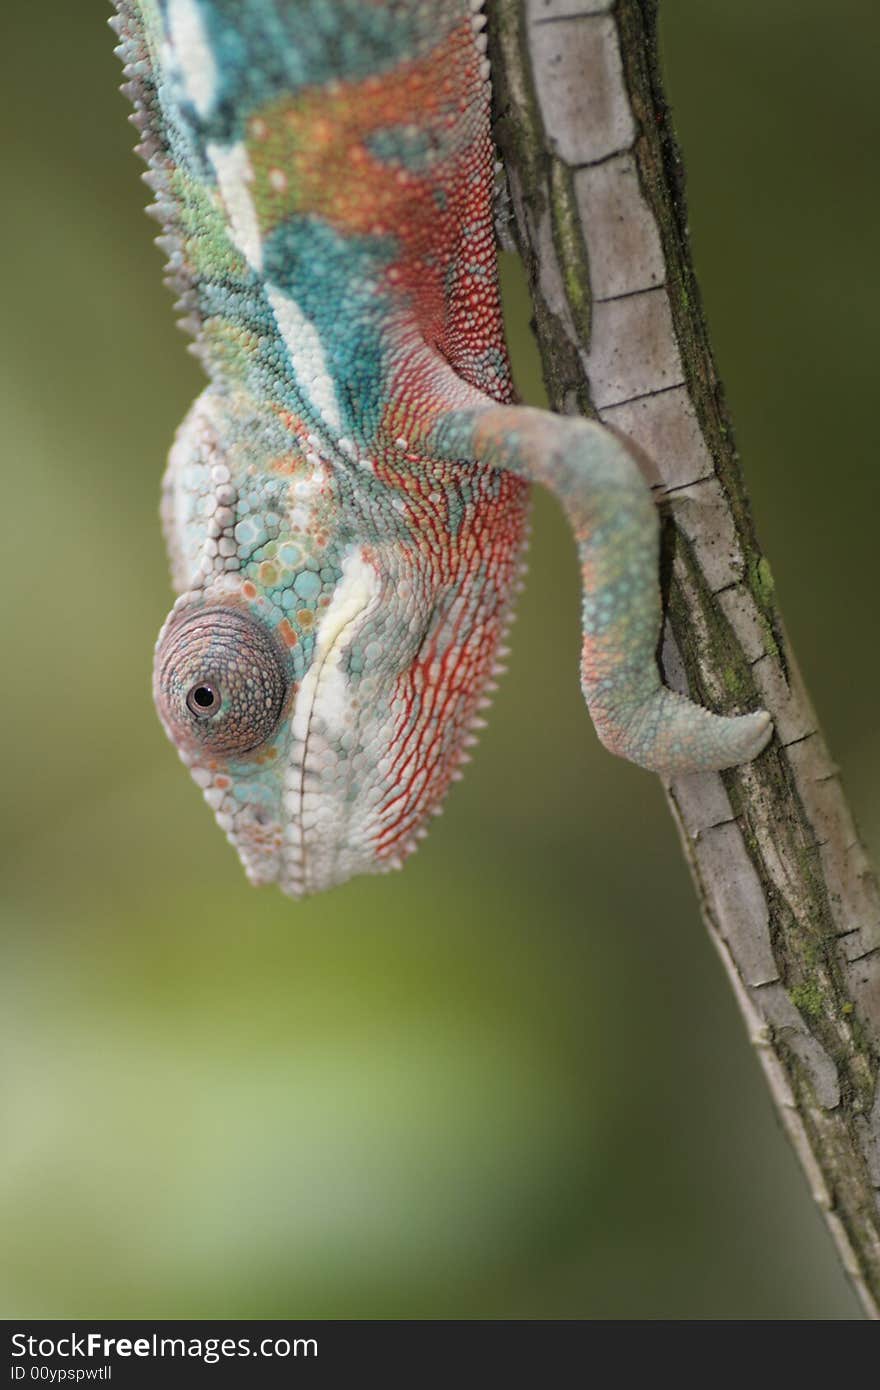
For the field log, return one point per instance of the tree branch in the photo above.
(785, 887)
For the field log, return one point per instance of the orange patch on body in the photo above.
(321, 137)
(266, 755)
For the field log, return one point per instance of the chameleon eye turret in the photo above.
(219, 683)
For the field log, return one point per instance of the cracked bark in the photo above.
(784, 883)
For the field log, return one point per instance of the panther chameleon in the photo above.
(345, 504)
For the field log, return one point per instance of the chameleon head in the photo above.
(319, 675)
(319, 776)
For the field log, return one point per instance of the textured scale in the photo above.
(345, 505)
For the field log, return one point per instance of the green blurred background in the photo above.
(510, 1082)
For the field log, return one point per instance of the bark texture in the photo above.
(785, 886)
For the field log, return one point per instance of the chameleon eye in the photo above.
(219, 681)
(203, 700)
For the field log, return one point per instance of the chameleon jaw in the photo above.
(319, 804)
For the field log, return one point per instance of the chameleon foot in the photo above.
(668, 734)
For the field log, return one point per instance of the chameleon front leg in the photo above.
(596, 477)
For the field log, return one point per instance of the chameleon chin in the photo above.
(345, 505)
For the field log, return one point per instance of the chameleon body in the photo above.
(345, 505)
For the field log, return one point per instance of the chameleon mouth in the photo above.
(324, 821)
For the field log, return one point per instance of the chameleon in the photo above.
(345, 505)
